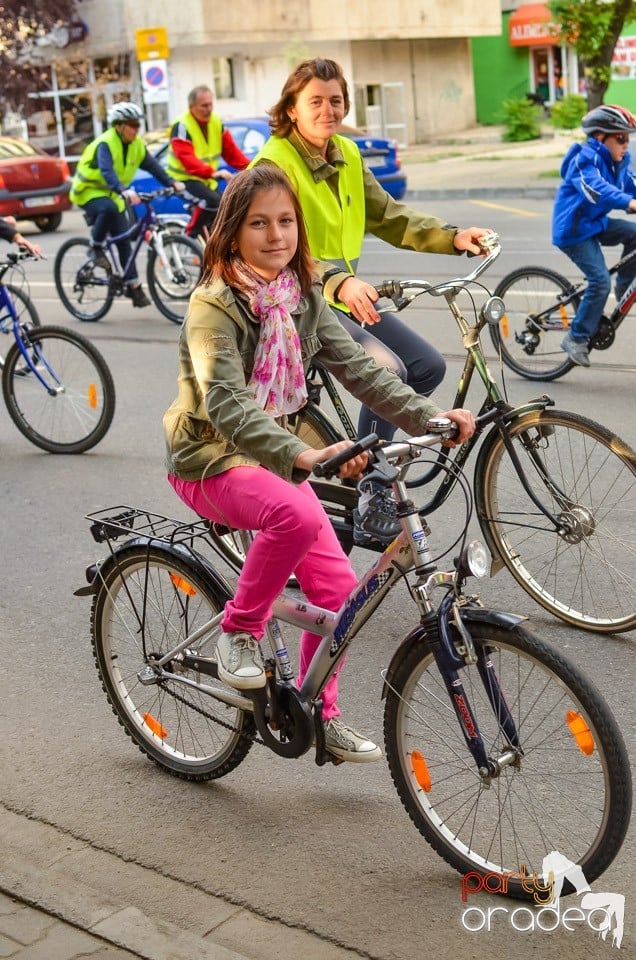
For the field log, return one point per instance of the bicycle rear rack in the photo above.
(112, 523)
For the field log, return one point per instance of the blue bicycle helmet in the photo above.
(608, 118)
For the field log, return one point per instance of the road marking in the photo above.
(500, 206)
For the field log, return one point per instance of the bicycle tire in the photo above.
(527, 292)
(312, 426)
(146, 603)
(87, 296)
(171, 292)
(78, 411)
(552, 797)
(586, 577)
(25, 310)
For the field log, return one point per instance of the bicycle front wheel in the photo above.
(173, 278)
(83, 287)
(585, 476)
(567, 788)
(147, 603)
(24, 309)
(529, 334)
(66, 403)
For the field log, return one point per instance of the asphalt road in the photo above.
(328, 850)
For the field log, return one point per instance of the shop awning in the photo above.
(530, 25)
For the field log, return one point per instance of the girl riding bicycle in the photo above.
(252, 328)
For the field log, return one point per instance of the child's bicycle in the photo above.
(87, 287)
(499, 748)
(540, 307)
(56, 385)
(554, 491)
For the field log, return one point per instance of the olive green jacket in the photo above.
(215, 423)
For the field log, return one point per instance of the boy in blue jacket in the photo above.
(596, 179)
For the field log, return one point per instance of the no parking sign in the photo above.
(154, 80)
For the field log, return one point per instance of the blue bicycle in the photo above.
(87, 287)
(56, 385)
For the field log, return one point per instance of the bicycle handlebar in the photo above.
(329, 468)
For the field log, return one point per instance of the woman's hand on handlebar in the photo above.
(351, 469)
(360, 298)
(465, 422)
(468, 240)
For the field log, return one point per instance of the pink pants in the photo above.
(295, 536)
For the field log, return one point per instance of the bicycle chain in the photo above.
(222, 723)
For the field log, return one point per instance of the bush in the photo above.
(567, 113)
(521, 119)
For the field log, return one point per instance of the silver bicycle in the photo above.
(499, 748)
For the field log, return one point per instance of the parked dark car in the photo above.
(33, 185)
(250, 133)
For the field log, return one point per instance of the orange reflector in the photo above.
(420, 770)
(580, 731)
(154, 725)
(564, 316)
(183, 585)
(504, 325)
(91, 393)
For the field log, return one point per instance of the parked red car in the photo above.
(33, 185)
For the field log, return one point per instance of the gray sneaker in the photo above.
(378, 523)
(344, 742)
(240, 661)
(576, 350)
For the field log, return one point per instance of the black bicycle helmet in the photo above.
(608, 118)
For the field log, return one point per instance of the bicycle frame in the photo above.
(6, 303)
(148, 222)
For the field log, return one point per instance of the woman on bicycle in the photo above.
(101, 185)
(341, 200)
(597, 178)
(252, 328)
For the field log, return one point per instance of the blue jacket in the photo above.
(592, 186)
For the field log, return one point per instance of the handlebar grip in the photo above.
(329, 468)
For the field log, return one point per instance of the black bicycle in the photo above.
(554, 490)
(56, 385)
(540, 307)
(88, 287)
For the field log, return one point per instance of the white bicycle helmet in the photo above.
(608, 118)
(124, 111)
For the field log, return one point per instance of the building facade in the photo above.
(409, 65)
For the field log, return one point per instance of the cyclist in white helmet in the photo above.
(597, 178)
(101, 184)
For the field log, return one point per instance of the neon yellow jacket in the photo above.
(88, 181)
(207, 147)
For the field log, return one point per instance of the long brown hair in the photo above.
(296, 81)
(220, 253)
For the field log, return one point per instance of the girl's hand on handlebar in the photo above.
(359, 297)
(468, 240)
(33, 248)
(465, 422)
(351, 469)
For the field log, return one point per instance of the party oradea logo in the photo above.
(603, 912)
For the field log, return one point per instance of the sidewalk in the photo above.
(478, 163)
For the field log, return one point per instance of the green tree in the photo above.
(592, 28)
(21, 23)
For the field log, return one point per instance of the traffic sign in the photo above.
(152, 44)
(154, 81)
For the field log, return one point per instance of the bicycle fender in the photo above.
(96, 572)
(498, 618)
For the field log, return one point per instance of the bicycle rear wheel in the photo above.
(72, 410)
(147, 603)
(586, 477)
(171, 283)
(25, 310)
(83, 288)
(559, 793)
(529, 335)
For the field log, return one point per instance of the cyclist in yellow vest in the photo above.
(197, 143)
(341, 200)
(101, 185)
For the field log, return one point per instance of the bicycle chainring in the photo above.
(604, 336)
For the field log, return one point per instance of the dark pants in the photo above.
(103, 215)
(204, 216)
(394, 345)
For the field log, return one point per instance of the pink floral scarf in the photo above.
(278, 378)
